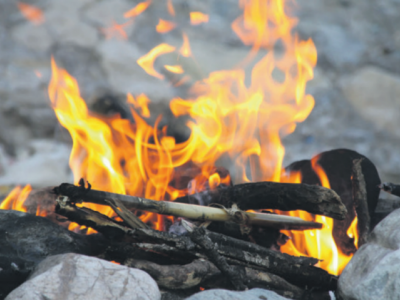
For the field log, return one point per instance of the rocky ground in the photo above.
(356, 85)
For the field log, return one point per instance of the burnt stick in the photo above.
(297, 270)
(79, 194)
(274, 195)
(390, 188)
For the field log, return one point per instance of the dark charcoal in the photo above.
(338, 167)
(25, 240)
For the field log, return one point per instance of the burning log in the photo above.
(360, 202)
(195, 212)
(390, 188)
(275, 195)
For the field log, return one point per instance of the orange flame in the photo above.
(16, 198)
(317, 243)
(116, 30)
(197, 18)
(170, 8)
(141, 103)
(147, 61)
(164, 26)
(231, 117)
(137, 10)
(31, 13)
(185, 49)
(174, 69)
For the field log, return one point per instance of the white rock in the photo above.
(220, 294)
(375, 94)
(79, 277)
(47, 166)
(33, 37)
(374, 271)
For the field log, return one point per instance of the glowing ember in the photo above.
(164, 26)
(197, 18)
(31, 13)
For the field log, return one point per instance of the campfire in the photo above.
(218, 203)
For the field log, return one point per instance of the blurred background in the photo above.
(356, 85)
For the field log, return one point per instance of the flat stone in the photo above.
(73, 276)
(374, 271)
(253, 294)
(33, 37)
(375, 95)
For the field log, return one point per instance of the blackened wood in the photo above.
(78, 194)
(125, 214)
(176, 276)
(360, 202)
(297, 270)
(390, 188)
(90, 218)
(200, 237)
(204, 273)
(337, 165)
(275, 195)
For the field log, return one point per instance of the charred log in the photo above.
(275, 195)
(390, 188)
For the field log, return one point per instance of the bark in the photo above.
(78, 194)
(360, 202)
(283, 196)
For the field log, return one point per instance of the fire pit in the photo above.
(196, 197)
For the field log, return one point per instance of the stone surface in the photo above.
(33, 37)
(44, 164)
(79, 277)
(374, 271)
(25, 240)
(220, 294)
(375, 94)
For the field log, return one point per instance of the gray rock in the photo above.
(374, 271)
(44, 164)
(25, 240)
(253, 294)
(73, 276)
(375, 94)
(33, 37)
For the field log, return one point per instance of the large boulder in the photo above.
(74, 276)
(374, 271)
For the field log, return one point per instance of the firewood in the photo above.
(204, 273)
(360, 202)
(390, 188)
(199, 236)
(275, 195)
(80, 194)
(296, 270)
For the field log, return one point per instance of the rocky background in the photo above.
(356, 85)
